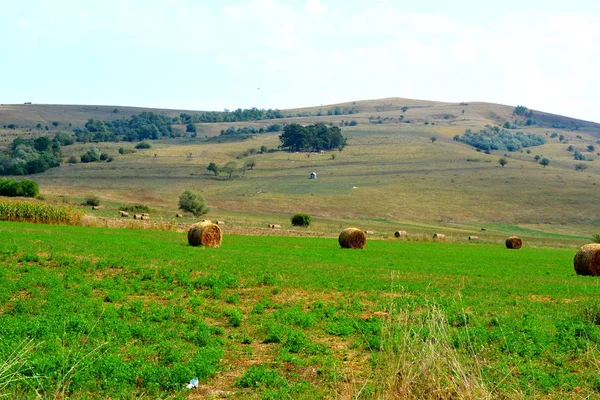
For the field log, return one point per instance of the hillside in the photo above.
(391, 174)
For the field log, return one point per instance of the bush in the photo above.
(92, 200)
(193, 202)
(596, 238)
(12, 188)
(137, 208)
(143, 145)
(303, 220)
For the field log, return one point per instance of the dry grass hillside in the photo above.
(391, 174)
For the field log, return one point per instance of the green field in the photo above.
(94, 312)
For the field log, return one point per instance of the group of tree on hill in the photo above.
(31, 156)
(494, 138)
(296, 137)
(239, 115)
(146, 125)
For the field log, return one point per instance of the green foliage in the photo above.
(433, 139)
(24, 188)
(235, 318)
(522, 111)
(239, 115)
(30, 156)
(494, 138)
(92, 200)
(580, 167)
(143, 145)
(193, 202)
(579, 156)
(230, 168)
(503, 161)
(259, 376)
(596, 238)
(315, 137)
(94, 155)
(244, 131)
(303, 220)
(146, 125)
(544, 162)
(190, 128)
(123, 150)
(214, 168)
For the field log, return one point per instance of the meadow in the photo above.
(115, 313)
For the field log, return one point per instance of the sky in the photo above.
(212, 55)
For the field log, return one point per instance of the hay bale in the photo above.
(137, 216)
(204, 234)
(587, 260)
(439, 236)
(473, 238)
(95, 208)
(352, 238)
(274, 226)
(400, 234)
(178, 216)
(145, 217)
(124, 213)
(220, 222)
(370, 232)
(514, 242)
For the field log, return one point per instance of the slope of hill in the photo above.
(401, 166)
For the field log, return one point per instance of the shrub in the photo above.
(92, 200)
(303, 220)
(12, 188)
(139, 208)
(143, 145)
(193, 202)
(596, 238)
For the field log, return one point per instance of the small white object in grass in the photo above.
(193, 384)
(354, 187)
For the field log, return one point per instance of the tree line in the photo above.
(146, 125)
(31, 156)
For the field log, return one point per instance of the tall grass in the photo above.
(13, 365)
(38, 213)
(419, 359)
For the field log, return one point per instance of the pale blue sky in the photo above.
(210, 55)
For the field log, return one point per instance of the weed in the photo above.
(259, 376)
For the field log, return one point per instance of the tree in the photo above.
(263, 149)
(193, 202)
(250, 164)
(433, 139)
(503, 161)
(303, 220)
(580, 167)
(191, 128)
(214, 168)
(230, 168)
(55, 124)
(545, 162)
(591, 148)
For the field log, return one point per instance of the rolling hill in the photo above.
(401, 168)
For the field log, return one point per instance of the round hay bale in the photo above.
(204, 234)
(220, 222)
(587, 260)
(473, 238)
(352, 238)
(124, 213)
(137, 216)
(439, 236)
(178, 216)
(514, 242)
(399, 234)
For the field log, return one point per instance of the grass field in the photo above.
(94, 312)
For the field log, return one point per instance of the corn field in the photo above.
(38, 213)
